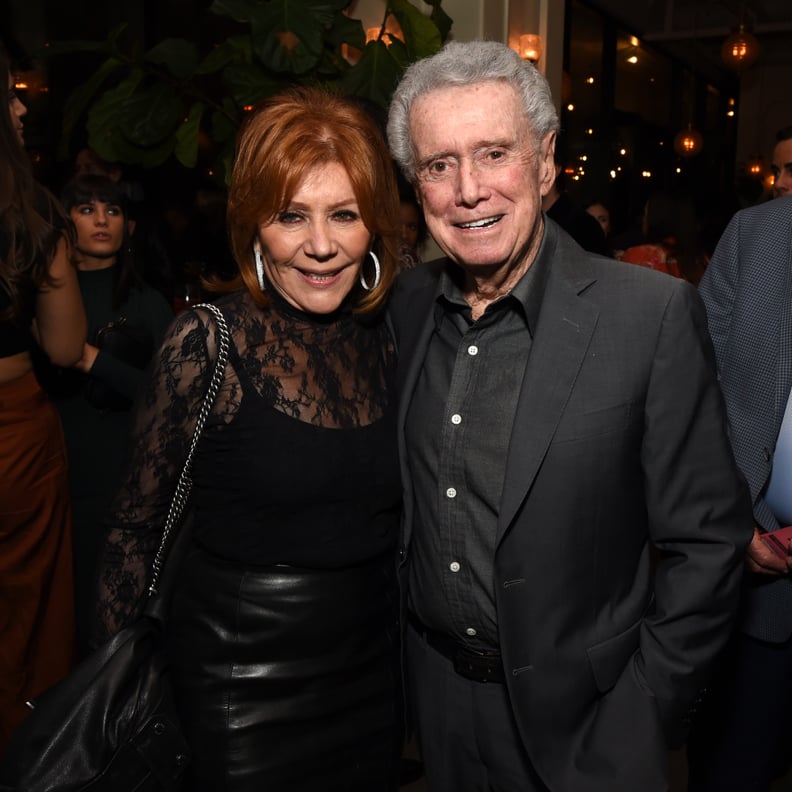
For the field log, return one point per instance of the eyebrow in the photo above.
(96, 202)
(338, 205)
(477, 146)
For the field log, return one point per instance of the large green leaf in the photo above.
(186, 149)
(150, 157)
(420, 34)
(249, 84)
(225, 162)
(79, 99)
(224, 124)
(398, 52)
(346, 30)
(240, 10)
(102, 124)
(151, 115)
(440, 18)
(218, 58)
(375, 75)
(288, 35)
(177, 55)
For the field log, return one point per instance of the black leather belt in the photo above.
(468, 663)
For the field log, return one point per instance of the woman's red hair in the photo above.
(287, 137)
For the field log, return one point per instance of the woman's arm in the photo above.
(165, 417)
(121, 376)
(150, 312)
(60, 324)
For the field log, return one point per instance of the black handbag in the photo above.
(111, 725)
(125, 342)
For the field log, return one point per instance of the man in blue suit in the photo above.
(742, 738)
(574, 519)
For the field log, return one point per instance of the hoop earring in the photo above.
(259, 267)
(377, 273)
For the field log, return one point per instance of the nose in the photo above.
(100, 216)
(783, 183)
(20, 109)
(320, 243)
(470, 189)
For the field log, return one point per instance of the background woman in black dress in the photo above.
(94, 398)
(283, 633)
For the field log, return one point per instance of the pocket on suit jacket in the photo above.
(588, 423)
(609, 658)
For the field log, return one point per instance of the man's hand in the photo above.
(759, 558)
(89, 355)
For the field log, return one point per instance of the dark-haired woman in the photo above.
(126, 320)
(39, 299)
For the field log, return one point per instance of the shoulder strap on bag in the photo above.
(184, 485)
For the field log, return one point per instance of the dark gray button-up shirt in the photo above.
(458, 431)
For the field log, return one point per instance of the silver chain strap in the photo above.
(184, 485)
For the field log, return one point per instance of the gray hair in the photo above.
(468, 63)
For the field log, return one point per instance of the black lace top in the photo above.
(298, 461)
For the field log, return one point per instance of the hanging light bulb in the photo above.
(740, 50)
(688, 142)
(755, 167)
(530, 47)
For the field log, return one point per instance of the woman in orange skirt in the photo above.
(39, 299)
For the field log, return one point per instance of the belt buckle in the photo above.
(478, 668)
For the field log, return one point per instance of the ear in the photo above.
(131, 225)
(548, 171)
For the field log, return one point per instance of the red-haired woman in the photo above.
(39, 297)
(283, 628)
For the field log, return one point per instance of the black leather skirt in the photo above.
(286, 678)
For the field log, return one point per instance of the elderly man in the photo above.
(574, 519)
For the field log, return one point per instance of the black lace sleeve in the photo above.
(164, 422)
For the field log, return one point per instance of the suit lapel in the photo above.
(413, 344)
(566, 325)
(412, 347)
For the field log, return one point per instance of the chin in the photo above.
(321, 305)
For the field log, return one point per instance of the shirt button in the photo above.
(454, 566)
(472, 350)
(456, 419)
(470, 631)
(451, 492)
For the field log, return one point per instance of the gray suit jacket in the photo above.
(747, 290)
(619, 442)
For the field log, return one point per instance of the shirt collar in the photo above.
(526, 295)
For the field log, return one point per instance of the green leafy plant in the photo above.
(173, 101)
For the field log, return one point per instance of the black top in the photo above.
(458, 430)
(298, 462)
